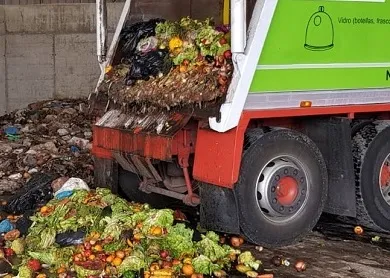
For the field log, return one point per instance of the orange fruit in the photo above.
(110, 258)
(61, 270)
(120, 254)
(44, 209)
(358, 230)
(98, 248)
(138, 236)
(117, 261)
(156, 231)
(187, 269)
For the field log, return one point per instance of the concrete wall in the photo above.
(49, 51)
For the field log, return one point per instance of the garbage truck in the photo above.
(304, 128)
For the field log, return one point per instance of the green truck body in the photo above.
(325, 45)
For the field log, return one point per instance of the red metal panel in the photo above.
(185, 140)
(157, 147)
(101, 152)
(218, 155)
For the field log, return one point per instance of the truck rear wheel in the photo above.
(371, 151)
(282, 188)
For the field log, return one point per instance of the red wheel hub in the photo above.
(287, 191)
(385, 175)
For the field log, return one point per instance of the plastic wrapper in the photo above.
(144, 65)
(72, 184)
(6, 226)
(70, 238)
(132, 34)
(23, 224)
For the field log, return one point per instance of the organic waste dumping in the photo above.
(167, 64)
(51, 137)
(94, 233)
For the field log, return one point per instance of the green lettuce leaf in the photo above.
(134, 262)
(25, 272)
(204, 265)
(209, 247)
(161, 218)
(179, 241)
(248, 259)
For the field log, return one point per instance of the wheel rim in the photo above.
(384, 179)
(282, 189)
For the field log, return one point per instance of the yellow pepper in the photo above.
(174, 43)
(108, 69)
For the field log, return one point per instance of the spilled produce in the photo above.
(167, 64)
(94, 233)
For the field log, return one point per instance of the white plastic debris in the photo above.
(73, 184)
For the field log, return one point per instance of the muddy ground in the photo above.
(333, 250)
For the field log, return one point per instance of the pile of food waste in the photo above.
(53, 136)
(167, 64)
(94, 233)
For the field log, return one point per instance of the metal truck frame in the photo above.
(304, 128)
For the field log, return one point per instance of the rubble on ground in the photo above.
(50, 137)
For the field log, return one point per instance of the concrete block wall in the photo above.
(3, 100)
(49, 51)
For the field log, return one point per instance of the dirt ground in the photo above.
(333, 250)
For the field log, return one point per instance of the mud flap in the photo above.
(333, 138)
(218, 209)
(106, 173)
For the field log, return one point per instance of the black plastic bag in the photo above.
(37, 191)
(24, 223)
(132, 34)
(5, 267)
(106, 212)
(70, 238)
(144, 65)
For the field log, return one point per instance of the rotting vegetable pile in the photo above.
(94, 233)
(51, 137)
(167, 64)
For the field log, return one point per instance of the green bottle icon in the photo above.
(319, 31)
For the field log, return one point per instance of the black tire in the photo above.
(371, 146)
(255, 226)
(358, 125)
